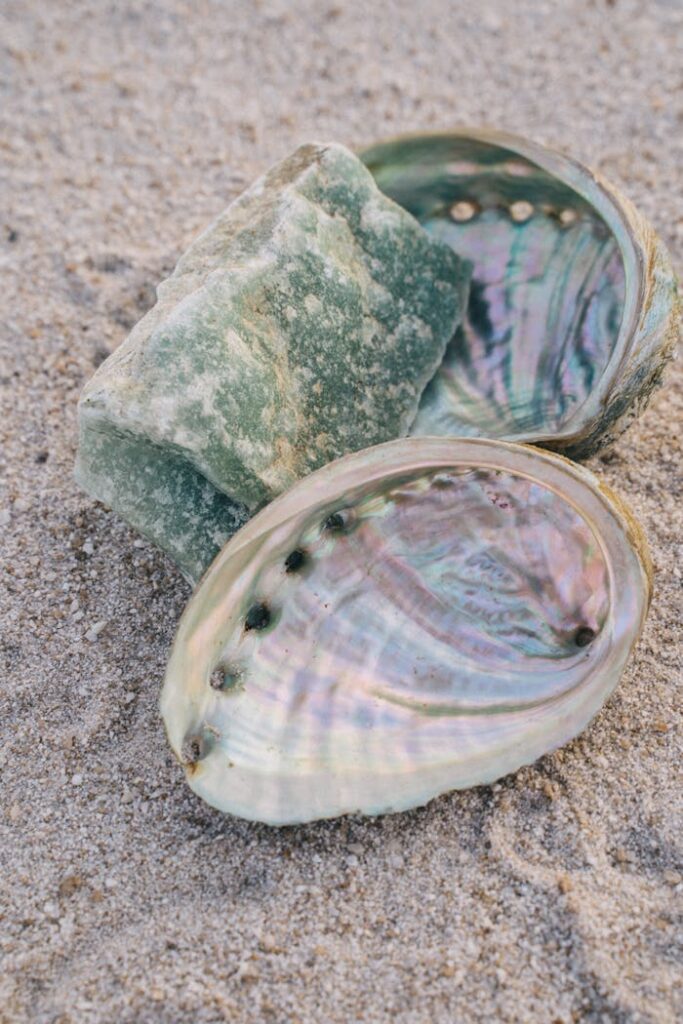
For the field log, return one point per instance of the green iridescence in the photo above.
(574, 309)
(302, 325)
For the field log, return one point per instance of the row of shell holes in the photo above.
(520, 211)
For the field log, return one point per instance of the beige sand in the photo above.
(551, 897)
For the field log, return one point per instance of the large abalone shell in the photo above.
(573, 308)
(424, 615)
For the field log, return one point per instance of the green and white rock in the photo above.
(303, 324)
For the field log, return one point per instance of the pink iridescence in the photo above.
(545, 309)
(454, 593)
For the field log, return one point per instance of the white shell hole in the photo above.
(463, 211)
(568, 217)
(521, 211)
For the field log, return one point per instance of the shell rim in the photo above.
(398, 457)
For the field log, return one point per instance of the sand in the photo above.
(549, 897)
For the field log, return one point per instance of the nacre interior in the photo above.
(425, 615)
(549, 283)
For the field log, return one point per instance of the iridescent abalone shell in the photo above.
(573, 306)
(425, 615)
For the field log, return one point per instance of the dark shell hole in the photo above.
(258, 617)
(335, 523)
(295, 560)
(584, 636)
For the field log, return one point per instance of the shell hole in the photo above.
(463, 211)
(217, 679)
(337, 522)
(258, 617)
(295, 560)
(584, 636)
(224, 678)
(521, 211)
(568, 217)
(194, 749)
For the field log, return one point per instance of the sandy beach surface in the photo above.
(552, 896)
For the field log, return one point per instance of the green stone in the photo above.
(303, 324)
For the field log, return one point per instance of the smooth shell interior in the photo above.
(553, 264)
(428, 620)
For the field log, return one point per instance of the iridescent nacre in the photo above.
(573, 308)
(425, 615)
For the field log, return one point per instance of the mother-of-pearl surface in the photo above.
(573, 308)
(425, 615)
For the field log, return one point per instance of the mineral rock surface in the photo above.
(303, 324)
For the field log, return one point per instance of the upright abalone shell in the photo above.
(573, 309)
(425, 615)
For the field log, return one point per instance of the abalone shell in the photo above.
(573, 309)
(425, 615)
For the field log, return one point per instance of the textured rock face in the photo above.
(303, 324)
